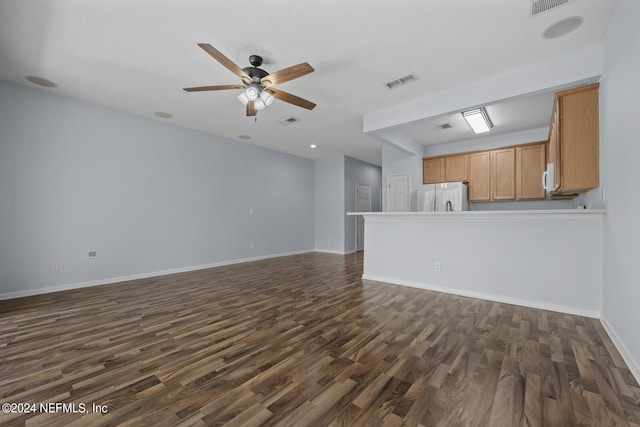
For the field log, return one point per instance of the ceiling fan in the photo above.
(257, 83)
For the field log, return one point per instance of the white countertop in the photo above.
(548, 213)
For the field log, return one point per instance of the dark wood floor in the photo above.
(299, 341)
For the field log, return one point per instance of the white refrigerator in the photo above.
(447, 196)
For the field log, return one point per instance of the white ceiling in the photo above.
(137, 55)
(508, 116)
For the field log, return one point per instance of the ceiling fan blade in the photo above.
(219, 87)
(286, 74)
(219, 56)
(291, 99)
(251, 109)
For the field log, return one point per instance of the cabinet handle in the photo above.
(544, 180)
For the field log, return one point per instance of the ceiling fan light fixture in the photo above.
(243, 98)
(266, 97)
(478, 120)
(252, 93)
(259, 104)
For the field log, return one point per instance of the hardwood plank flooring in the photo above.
(303, 341)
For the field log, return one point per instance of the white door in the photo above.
(363, 204)
(398, 193)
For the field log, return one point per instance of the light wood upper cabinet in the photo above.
(452, 168)
(530, 165)
(480, 176)
(456, 168)
(503, 170)
(433, 170)
(515, 172)
(508, 173)
(574, 140)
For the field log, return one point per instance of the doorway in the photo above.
(363, 204)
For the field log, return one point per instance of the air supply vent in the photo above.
(402, 80)
(288, 121)
(542, 6)
(445, 126)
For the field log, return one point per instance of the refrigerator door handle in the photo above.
(544, 180)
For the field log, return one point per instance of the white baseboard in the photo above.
(490, 297)
(631, 363)
(110, 280)
(325, 251)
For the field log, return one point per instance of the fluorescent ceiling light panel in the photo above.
(478, 120)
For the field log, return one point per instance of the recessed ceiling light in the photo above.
(313, 146)
(163, 115)
(245, 137)
(40, 81)
(562, 28)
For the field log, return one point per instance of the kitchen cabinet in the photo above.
(503, 174)
(530, 165)
(492, 175)
(480, 176)
(433, 170)
(456, 167)
(445, 169)
(574, 140)
(506, 173)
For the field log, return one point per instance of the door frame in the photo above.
(360, 217)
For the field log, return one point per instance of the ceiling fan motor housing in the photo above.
(255, 73)
(255, 60)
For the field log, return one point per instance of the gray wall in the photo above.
(329, 205)
(359, 172)
(399, 161)
(148, 196)
(620, 151)
(335, 187)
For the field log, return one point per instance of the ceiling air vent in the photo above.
(542, 6)
(288, 121)
(445, 126)
(402, 80)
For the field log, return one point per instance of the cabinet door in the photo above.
(578, 139)
(530, 165)
(455, 168)
(480, 177)
(553, 155)
(433, 170)
(504, 174)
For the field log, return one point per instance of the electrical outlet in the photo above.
(251, 246)
(55, 267)
(92, 263)
(436, 266)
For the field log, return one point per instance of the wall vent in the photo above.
(541, 6)
(288, 121)
(401, 81)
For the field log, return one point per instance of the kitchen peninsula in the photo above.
(549, 259)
